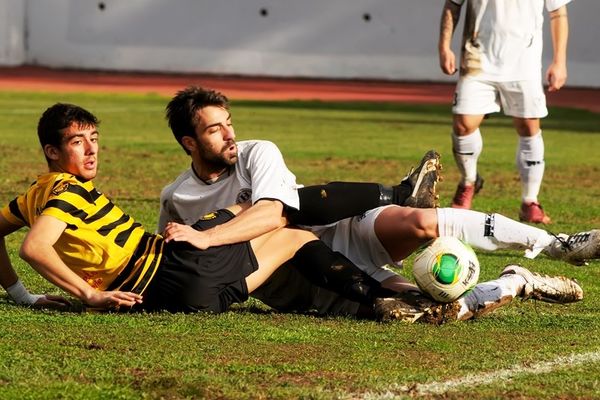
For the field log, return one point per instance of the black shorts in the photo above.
(191, 280)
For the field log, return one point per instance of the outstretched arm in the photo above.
(11, 282)
(37, 249)
(449, 20)
(8, 276)
(556, 76)
(255, 220)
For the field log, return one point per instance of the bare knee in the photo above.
(423, 224)
(526, 126)
(401, 230)
(464, 125)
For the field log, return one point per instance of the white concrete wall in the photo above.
(12, 32)
(386, 39)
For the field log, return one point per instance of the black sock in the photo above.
(332, 270)
(325, 204)
(401, 192)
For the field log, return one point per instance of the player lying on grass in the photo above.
(224, 172)
(83, 243)
(80, 241)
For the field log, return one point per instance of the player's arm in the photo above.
(448, 22)
(10, 280)
(251, 222)
(8, 276)
(38, 250)
(556, 76)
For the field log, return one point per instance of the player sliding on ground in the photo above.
(383, 232)
(83, 243)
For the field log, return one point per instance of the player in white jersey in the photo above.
(225, 172)
(501, 68)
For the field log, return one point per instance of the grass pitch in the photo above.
(525, 350)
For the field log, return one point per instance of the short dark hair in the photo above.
(182, 110)
(61, 116)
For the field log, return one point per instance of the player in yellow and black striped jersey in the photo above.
(99, 239)
(110, 251)
(82, 242)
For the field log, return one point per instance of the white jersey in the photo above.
(503, 38)
(259, 173)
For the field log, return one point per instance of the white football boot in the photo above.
(575, 249)
(551, 289)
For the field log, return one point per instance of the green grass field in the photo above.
(523, 351)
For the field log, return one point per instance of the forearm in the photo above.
(10, 280)
(8, 276)
(44, 259)
(559, 28)
(448, 22)
(265, 216)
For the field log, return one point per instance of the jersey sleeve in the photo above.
(13, 213)
(552, 5)
(271, 178)
(61, 197)
(167, 210)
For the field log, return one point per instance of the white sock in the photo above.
(530, 162)
(466, 150)
(491, 231)
(487, 296)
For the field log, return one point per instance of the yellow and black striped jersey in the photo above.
(99, 241)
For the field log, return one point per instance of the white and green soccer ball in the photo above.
(446, 268)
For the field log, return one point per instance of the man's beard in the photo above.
(218, 161)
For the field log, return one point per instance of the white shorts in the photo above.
(522, 99)
(355, 238)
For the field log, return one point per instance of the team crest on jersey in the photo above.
(60, 188)
(208, 217)
(243, 196)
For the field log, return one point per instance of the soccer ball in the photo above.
(446, 268)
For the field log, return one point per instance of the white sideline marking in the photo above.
(485, 378)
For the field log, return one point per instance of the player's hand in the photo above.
(556, 76)
(113, 299)
(447, 62)
(185, 233)
(52, 301)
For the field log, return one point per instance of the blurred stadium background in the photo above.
(333, 39)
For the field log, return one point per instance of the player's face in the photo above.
(78, 152)
(216, 138)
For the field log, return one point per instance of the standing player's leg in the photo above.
(467, 145)
(530, 163)
(525, 101)
(473, 100)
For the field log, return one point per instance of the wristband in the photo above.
(20, 295)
